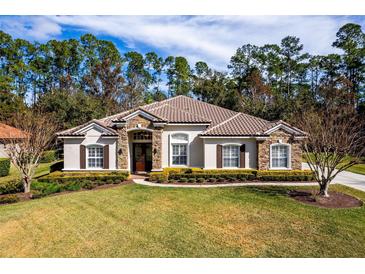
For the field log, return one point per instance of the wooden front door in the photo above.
(142, 157)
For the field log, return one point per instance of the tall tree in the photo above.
(179, 76)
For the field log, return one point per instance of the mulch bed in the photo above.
(335, 199)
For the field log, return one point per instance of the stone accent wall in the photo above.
(157, 149)
(122, 149)
(123, 141)
(263, 150)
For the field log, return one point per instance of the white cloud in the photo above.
(213, 39)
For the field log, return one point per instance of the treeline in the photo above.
(76, 80)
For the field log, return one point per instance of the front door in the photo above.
(142, 157)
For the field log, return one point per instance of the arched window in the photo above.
(179, 149)
(142, 135)
(95, 156)
(280, 156)
(231, 156)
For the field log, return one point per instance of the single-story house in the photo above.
(181, 132)
(7, 134)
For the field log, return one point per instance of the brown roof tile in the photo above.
(8, 132)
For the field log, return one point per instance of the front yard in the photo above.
(139, 221)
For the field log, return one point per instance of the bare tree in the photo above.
(335, 132)
(25, 152)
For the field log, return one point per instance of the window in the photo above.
(95, 155)
(179, 148)
(231, 156)
(280, 156)
(142, 135)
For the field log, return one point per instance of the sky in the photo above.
(213, 39)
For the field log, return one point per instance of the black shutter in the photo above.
(106, 157)
(82, 157)
(242, 156)
(219, 156)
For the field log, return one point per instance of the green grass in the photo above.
(42, 169)
(140, 221)
(359, 168)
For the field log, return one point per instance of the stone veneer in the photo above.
(263, 150)
(123, 145)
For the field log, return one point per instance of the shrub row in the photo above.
(4, 167)
(230, 175)
(63, 177)
(10, 187)
(9, 199)
(41, 189)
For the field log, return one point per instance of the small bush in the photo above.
(183, 180)
(46, 188)
(72, 186)
(192, 180)
(159, 177)
(220, 179)
(58, 166)
(9, 199)
(212, 180)
(49, 156)
(10, 187)
(200, 180)
(4, 167)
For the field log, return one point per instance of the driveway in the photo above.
(347, 178)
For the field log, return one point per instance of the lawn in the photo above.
(42, 169)
(141, 221)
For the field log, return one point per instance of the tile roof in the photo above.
(183, 109)
(8, 132)
(73, 131)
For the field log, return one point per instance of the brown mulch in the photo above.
(335, 199)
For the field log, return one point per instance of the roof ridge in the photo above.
(224, 122)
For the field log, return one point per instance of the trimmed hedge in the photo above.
(63, 177)
(58, 166)
(9, 199)
(220, 175)
(10, 187)
(49, 156)
(4, 167)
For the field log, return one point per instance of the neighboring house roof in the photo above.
(8, 132)
(185, 110)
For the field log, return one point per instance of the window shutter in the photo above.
(106, 157)
(219, 156)
(82, 157)
(242, 156)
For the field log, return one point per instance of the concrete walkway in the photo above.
(347, 178)
(146, 183)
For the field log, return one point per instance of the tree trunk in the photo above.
(323, 189)
(26, 183)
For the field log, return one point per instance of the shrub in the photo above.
(191, 180)
(4, 167)
(183, 180)
(225, 176)
(63, 177)
(46, 188)
(9, 199)
(200, 180)
(58, 166)
(49, 156)
(220, 179)
(285, 175)
(72, 186)
(212, 180)
(13, 186)
(159, 176)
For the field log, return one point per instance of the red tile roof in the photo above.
(8, 132)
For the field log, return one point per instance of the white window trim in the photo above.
(239, 155)
(289, 156)
(87, 156)
(180, 142)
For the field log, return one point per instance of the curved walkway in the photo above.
(146, 183)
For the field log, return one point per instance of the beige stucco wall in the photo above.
(2, 151)
(196, 146)
(210, 151)
(72, 149)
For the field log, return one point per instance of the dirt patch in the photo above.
(335, 199)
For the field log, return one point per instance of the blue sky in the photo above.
(212, 39)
